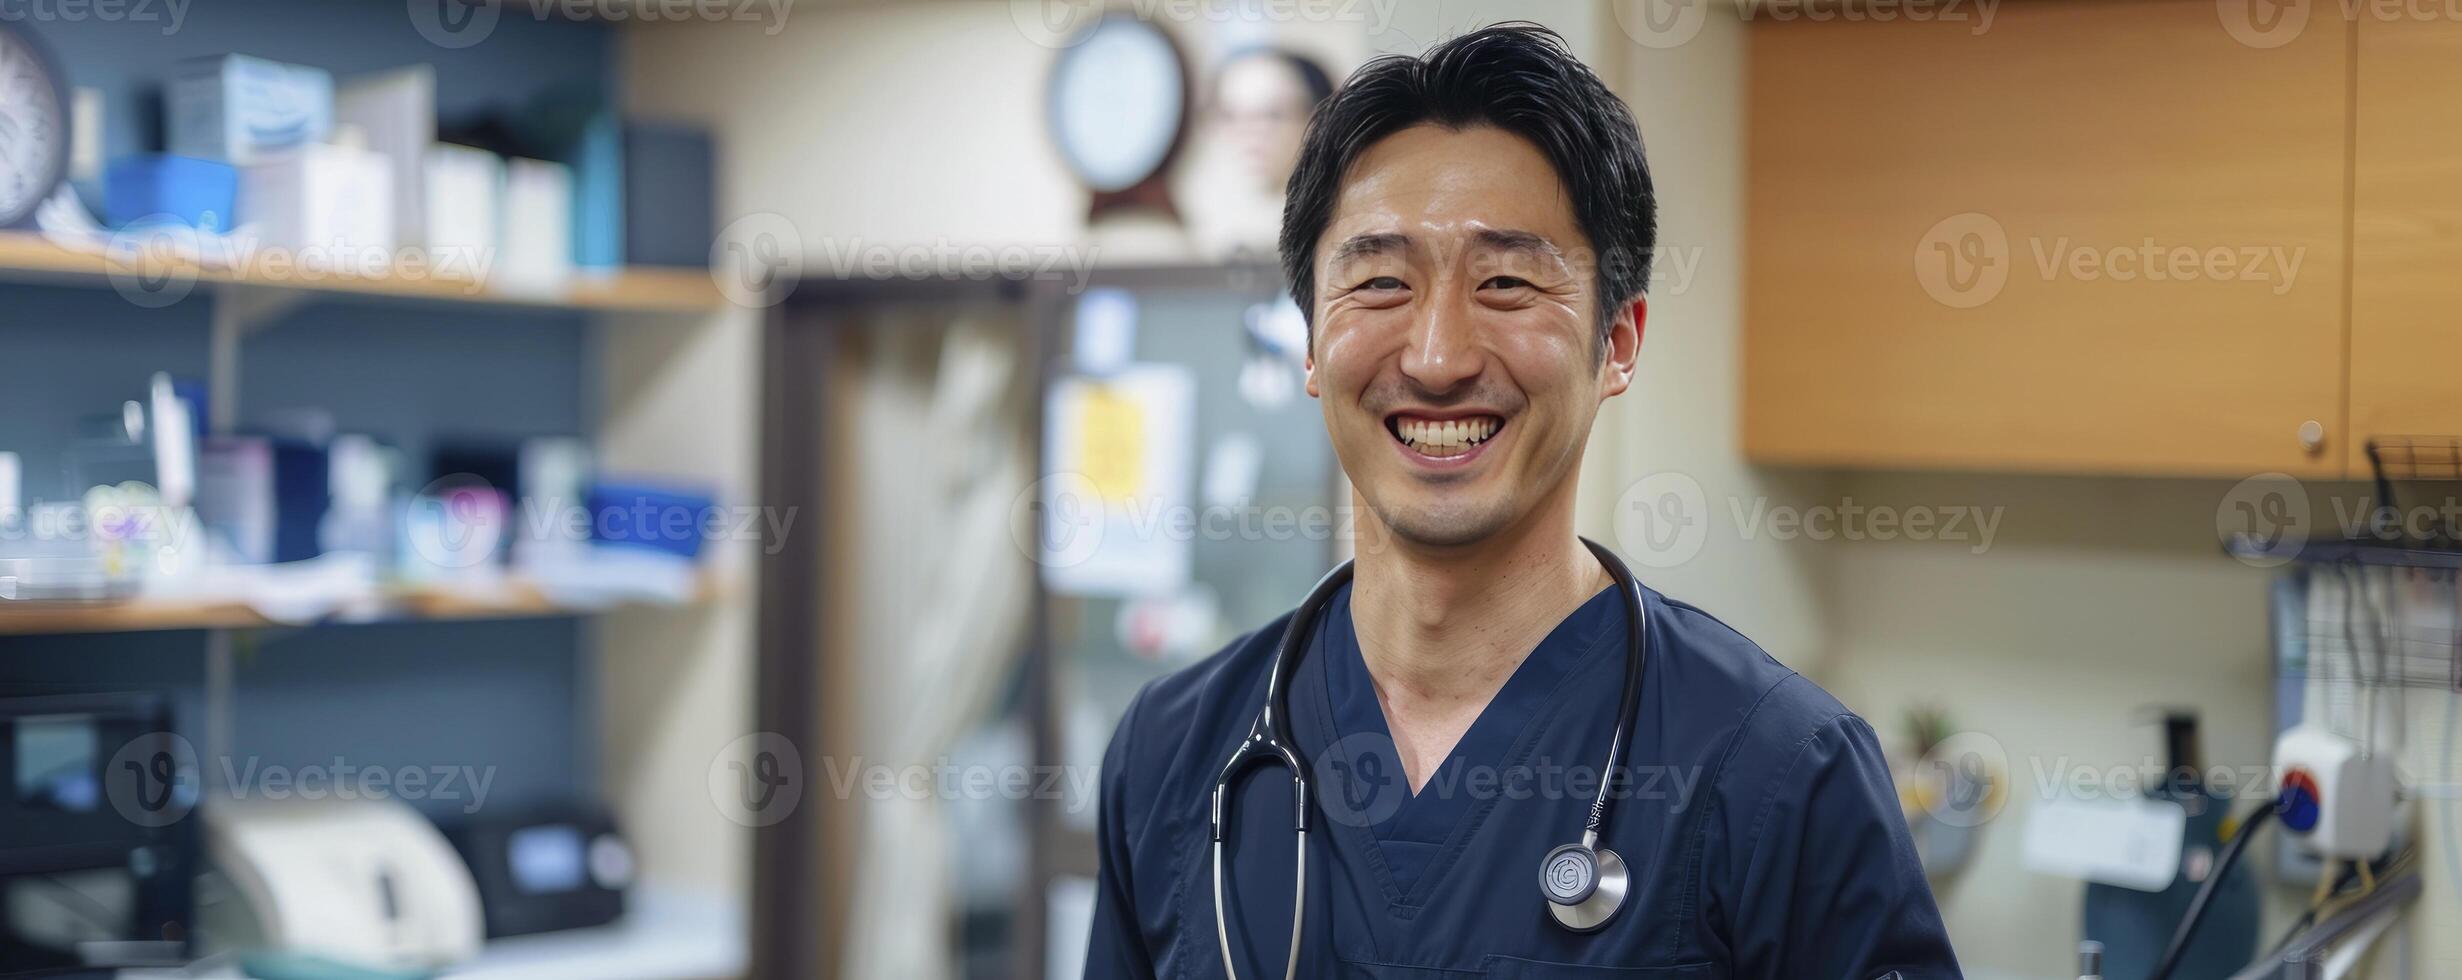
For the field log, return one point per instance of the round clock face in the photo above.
(1117, 103)
(33, 127)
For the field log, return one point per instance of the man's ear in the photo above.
(1623, 347)
(1308, 367)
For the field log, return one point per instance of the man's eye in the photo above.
(1505, 282)
(1381, 283)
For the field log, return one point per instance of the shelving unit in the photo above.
(678, 389)
(32, 257)
(516, 599)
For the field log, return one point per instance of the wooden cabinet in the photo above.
(2406, 233)
(2094, 238)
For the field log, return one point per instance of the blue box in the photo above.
(238, 109)
(163, 187)
(655, 518)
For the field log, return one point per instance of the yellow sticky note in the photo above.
(1111, 443)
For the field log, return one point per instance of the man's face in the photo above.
(1456, 348)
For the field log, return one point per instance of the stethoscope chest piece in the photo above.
(1584, 886)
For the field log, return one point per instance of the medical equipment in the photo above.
(1583, 884)
(98, 866)
(367, 881)
(2341, 799)
(2205, 893)
(2374, 615)
(2136, 919)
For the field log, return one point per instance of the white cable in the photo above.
(2453, 854)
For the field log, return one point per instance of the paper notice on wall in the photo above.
(2131, 843)
(1116, 518)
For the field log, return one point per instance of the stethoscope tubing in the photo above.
(1269, 741)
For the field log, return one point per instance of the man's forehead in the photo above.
(1431, 183)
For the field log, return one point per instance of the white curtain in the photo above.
(943, 601)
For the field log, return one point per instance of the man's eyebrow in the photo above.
(1516, 240)
(1371, 243)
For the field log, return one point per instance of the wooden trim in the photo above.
(785, 911)
(28, 257)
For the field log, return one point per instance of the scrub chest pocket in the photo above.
(1515, 968)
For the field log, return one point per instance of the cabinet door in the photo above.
(2094, 238)
(2406, 235)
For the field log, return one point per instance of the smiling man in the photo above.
(1503, 758)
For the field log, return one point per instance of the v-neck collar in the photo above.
(1429, 828)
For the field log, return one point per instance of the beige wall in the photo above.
(1680, 418)
(921, 122)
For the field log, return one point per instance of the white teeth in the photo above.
(1448, 438)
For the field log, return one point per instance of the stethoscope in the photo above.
(1582, 882)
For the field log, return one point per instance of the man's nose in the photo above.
(1442, 352)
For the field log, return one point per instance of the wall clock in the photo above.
(1120, 107)
(33, 125)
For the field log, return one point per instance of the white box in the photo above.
(538, 227)
(397, 111)
(464, 209)
(2338, 801)
(239, 110)
(328, 204)
(235, 495)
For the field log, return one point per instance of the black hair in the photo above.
(1518, 77)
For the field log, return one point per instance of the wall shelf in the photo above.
(515, 599)
(30, 257)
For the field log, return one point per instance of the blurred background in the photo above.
(684, 488)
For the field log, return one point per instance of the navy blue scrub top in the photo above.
(1756, 812)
